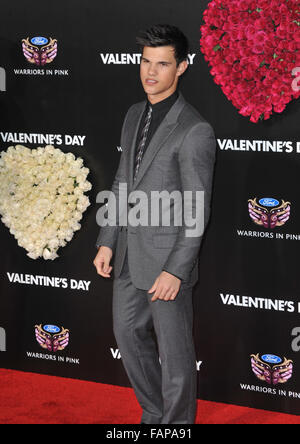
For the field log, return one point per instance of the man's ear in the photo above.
(182, 67)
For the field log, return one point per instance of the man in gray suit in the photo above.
(168, 149)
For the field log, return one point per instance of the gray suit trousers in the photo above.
(164, 376)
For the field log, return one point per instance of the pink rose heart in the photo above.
(253, 49)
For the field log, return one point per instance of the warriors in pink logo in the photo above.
(271, 368)
(269, 213)
(39, 50)
(51, 337)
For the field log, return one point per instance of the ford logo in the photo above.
(51, 329)
(271, 359)
(269, 202)
(39, 41)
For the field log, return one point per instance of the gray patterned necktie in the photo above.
(140, 149)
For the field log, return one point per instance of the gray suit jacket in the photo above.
(180, 156)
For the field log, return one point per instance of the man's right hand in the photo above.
(102, 261)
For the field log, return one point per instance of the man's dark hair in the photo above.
(165, 35)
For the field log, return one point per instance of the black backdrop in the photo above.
(84, 96)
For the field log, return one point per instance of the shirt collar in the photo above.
(164, 104)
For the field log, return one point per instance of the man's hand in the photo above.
(166, 287)
(102, 261)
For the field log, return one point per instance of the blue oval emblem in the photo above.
(271, 359)
(269, 202)
(51, 329)
(39, 41)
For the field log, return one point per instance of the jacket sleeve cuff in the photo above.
(178, 277)
(107, 239)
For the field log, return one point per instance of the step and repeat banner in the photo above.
(69, 71)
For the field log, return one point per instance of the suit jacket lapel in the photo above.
(163, 132)
(133, 127)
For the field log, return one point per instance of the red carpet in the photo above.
(27, 398)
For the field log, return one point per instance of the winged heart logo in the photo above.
(269, 213)
(51, 337)
(252, 48)
(271, 368)
(39, 50)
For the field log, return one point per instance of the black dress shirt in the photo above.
(159, 112)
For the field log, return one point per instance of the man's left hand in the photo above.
(166, 287)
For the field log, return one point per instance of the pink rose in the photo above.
(252, 47)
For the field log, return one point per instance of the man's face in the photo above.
(159, 73)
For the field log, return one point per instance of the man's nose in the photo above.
(152, 71)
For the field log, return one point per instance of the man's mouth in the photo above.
(151, 81)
